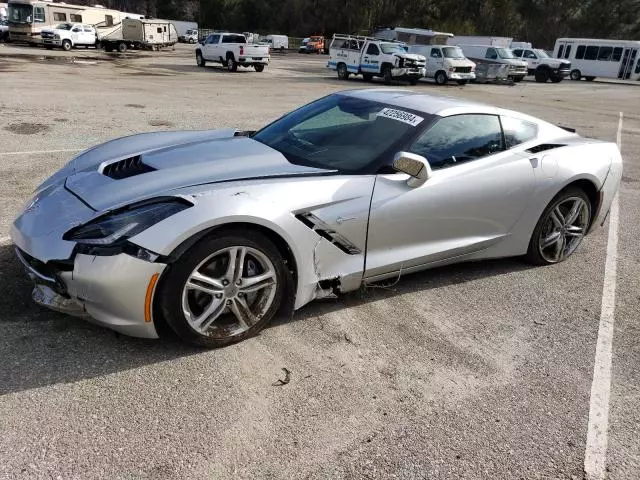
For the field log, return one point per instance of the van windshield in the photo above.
(452, 52)
(392, 48)
(505, 53)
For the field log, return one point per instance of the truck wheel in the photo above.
(232, 66)
(343, 73)
(575, 75)
(108, 47)
(259, 67)
(461, 82)
(387, 75)
(367, 77)
(200, 59)
(589, 79)
(122, 47)
(441, 78)
(542, 75)
(518, 79)
(66, 45)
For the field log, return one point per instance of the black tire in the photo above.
(441, 77)
(542, 75)
(367, 77)
(462, 82)
(589, 79)
(387, 74)
(66, 45)
(232, 66)
(200, 61)
(343, 73)
(122, 47)
(413, 81)
(191, 40)
(518, 79)
(533, 255)
(168, 297)
(259, 67)
(108, 47)
(575, 75)
(556, 79)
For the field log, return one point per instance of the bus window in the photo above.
(560, 49)
(591, 53)
(59, 17)
(605, 53)
(580, 52)
(637, 67)
(617, 54)
(567, 51)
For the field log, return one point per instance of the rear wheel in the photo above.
(542, 75)
(67, 45)
(461, 82)
(561, 228)
(343, 73)
(518, 79)
(440, 77)
(232, 66)
(259, 67)
(224, 289)
(575, 75)
(122, 47)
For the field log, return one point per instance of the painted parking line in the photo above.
(34, 152)
(595, 457)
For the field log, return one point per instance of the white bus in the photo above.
(591, 58)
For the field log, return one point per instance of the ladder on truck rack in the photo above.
(356, 42)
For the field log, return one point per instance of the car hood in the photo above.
(411, 56)
(56, 31)
(147, 165)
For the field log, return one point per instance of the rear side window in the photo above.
(517, 131)
(560, 49)
(460, 139)
(59, 17)
(591, 53)
(567, 51)
(617, 54)
(75, 18)
(233, 39)
(605, 53)
(580, 52)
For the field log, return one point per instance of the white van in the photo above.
(446, 63)
(489, 54)
(278, 42)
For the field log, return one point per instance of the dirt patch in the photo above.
(626, 179)
(26, 128)
(160, 123)
(134, 105)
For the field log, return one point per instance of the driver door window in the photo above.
(436, 53)
(460, 139)
(491, 54)
(373, 50)
(530, 54)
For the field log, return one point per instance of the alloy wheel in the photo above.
(564, 228)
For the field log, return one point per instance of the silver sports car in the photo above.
(214, 232)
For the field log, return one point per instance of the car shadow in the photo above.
(40, 347)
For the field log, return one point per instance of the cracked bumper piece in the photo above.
(408, 72)
(109, 291)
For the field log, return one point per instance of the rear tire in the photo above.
(232, 66)
(575, 75)
(569, 232)
(67, 45)
(122, 47)
(259, 67)
(210, 258)
(343, 73)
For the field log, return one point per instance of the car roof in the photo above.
(430, 104)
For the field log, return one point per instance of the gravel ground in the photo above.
(473, 371)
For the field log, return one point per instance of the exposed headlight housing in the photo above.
(56, 36)
(119, 225)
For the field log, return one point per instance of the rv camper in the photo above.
(412, 36)
(144, 34)
(27, 18)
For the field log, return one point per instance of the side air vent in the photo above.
(126, 168)
(326, 232)
(243, 133)
(544, 146)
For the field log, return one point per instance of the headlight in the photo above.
(57, 37)
(124, 223)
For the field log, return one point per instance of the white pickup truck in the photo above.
(372, 57)
(542, 66)
(232, 51)
(69, 35)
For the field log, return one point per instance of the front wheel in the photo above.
(259, 67)
(518, 79)
(461, 82)
(200, 59)
(67, 45)
(575, 75)
(122, 47)
(561, 228)
(224, 289)
(440, 78)
(387, 75)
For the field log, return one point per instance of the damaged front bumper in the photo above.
(409, 72)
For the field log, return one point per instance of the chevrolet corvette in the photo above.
(214, 232)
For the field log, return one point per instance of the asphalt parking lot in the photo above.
(479, 370)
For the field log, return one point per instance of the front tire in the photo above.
(387, 75)
(259, 67)
(561, 228)
(575, 75)
(122, 47)
(67, 45)
(200, 59)
(224, 289)
(441, 78)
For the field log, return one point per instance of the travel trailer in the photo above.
(145, 34)
(591, 58)
(27, 18)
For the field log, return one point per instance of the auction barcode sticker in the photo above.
(401, 116)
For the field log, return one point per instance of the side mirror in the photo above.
(414, 165)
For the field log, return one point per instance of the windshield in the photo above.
(452, 52)
(542, 54)
(19, 13)
(505, 53)
(392, 48)
(64, 26)
(341, 133)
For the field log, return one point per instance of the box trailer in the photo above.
(149, 34)
(503, 42)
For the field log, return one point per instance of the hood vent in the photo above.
(129, 167)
